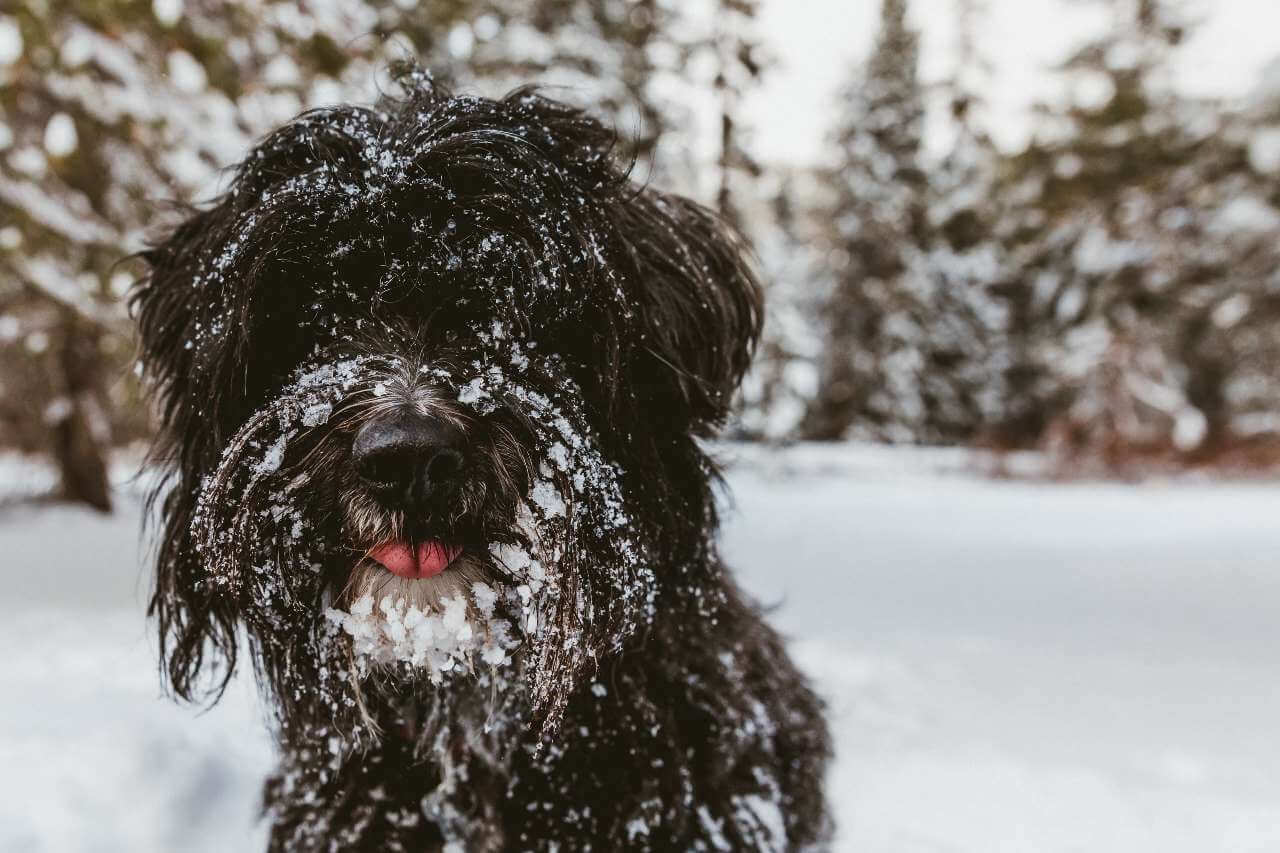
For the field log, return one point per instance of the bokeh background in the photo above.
(1006, 461)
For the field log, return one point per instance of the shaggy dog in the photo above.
(432, 378)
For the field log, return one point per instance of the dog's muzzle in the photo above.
(411, 462)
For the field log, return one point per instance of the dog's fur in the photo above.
(488, 263)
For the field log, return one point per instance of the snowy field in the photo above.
(1010, 666)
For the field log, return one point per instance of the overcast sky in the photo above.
(816, 42)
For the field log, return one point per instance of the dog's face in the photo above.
(430, 376)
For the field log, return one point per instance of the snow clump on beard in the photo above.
(441, 635)
(436, 642)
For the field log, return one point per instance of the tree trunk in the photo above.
(77, 424)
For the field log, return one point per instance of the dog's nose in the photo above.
(408, 455)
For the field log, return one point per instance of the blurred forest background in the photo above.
(1108, 295)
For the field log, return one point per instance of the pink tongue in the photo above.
(426, 561)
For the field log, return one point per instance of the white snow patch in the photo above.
(58, 410)
(186, 73)
(60, 137)
(637, 827)
(10, 40)
(29, 160)
(281, 71)
(1190, 427)
(548, 498)
(167, 12)
(1111, 654)
(439, 642)
(274, 456)
(460, 41)
(768, 818)
(1097, 252)
(317, 414)
(1231, 310)
(1264, 150)
(1245, 213)
(77, 49)
(474, 392)
(714, 829)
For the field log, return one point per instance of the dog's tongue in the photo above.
(426, 560)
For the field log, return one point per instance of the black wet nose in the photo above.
(407, 455)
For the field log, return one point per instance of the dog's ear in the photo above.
(699, 307)
(196, 628)
(164, 305)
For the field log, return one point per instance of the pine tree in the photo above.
(965, 321)
(1142, 245)
(737, 69)
(869, 377)
(613, 57)
(790, 244)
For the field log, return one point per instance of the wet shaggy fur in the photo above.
(486, 262)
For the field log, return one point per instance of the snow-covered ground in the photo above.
(1010, 666)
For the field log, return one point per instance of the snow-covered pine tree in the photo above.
(1246, 318)
(1143, 256)
(642, 29)
(738, 68)
(793, 256)
(965, 321)
(1070, 283)
(617, 58)
(874, 348)
(914, 344)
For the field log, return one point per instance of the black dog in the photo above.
(432, 377)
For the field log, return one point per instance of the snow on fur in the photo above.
(575, 490)
(438, 642)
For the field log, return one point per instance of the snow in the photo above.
(281, 71)
(1009, 665)
(10, 40)
(275, 453)
(440, 642)
(1246, 213)
(460, 41)
(1098, 253)
(167, 12)
(548, 498)
(77, 49)
(92, 756)
(49, 212)
(317, 414)
(186, 73)
(29, 161)
(1264, 150)
(1031, 667)
(60, 137)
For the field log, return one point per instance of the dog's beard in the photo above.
(438, 627)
